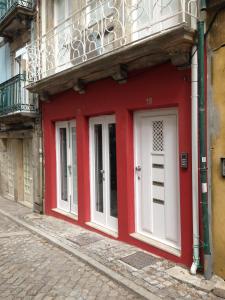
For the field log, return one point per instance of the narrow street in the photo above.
(31, 268)
(42, 257)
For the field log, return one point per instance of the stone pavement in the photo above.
(32, 268)
(110, 257)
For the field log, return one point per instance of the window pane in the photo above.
(59, 11)
(112, 167)
(98, 168)
(97, 11)
(63, 163)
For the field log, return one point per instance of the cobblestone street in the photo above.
(42, 257)
(31, 268)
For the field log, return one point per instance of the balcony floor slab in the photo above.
(142, 54)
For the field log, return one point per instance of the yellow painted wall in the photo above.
(217, 130)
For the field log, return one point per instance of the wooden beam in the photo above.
(79, 86)
(44, 96)
(121, 74)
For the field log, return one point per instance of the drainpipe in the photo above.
(202, 143)
(195, 195)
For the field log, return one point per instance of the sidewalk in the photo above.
(141, 272)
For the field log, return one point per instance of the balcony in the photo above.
(16, 102)
(15, 16)
(110, 38)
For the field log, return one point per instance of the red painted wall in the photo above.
(167, 87)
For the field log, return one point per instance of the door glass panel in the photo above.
(63, 163)
(99, 175)
(112, 170)
(74, 167)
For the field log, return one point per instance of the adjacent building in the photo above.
(19, 113)
(216, 127)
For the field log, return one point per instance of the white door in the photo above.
(103, 172)
(156, 176)
(66, 157)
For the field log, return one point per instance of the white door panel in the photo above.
(156, 176)
(171, 187)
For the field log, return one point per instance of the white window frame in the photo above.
(68, 205)
(103, 219)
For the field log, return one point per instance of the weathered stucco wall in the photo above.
(217, 131)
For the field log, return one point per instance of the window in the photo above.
(63, 9)
(98, 10)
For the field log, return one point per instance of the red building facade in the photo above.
(152, 213)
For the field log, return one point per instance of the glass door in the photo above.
(66, 158)
(103, 172)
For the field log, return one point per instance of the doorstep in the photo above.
(103, 229)
(156, 244)
(138, 270)
(64, 213)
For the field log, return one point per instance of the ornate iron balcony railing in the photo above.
(103, 26)
(14, 98)
(7, 6)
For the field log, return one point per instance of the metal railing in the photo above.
(103, 26)
(6, 6)
(15, 98)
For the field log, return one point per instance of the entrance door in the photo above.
(103, 172)
(27, 171)
(156, 176)
(66, 157)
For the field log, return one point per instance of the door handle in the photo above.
(70, 169)
(102, 172)
(138, 169)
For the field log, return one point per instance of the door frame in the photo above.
(153, 240)
(66, 205)
(102, 219)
